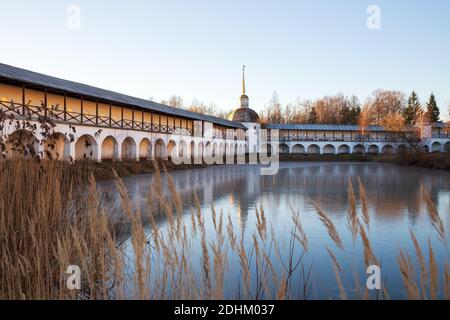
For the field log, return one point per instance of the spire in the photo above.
(244, 98)
(243, 80)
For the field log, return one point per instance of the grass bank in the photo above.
(437, 160)
(105, 170)
(330, 157)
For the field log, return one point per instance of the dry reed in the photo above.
(363, 197)
(328, 223)
(53, 215)
(434, 215)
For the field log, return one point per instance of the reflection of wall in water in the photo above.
(241, 184)
(210, 184)
(325, 183)
(328, 185)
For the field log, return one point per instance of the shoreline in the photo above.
(103, 170)
(437, 161)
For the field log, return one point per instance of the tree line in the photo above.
(340, 109)
(195, 106)
(335, 109)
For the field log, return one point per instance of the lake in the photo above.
(394, 198)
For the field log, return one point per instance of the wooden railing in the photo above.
(355, 138)
(30, 112)
(441, 135)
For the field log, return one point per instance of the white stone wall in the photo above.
(437, 144)
(119, 144)
(252, 136)
(336, 147)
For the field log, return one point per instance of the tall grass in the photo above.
(52, 215)
(47, 223)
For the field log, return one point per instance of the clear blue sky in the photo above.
(303, 49)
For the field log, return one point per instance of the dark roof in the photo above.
(244, 115)
(321, 127)
(440, 125)
(336, 127)
(41, 80)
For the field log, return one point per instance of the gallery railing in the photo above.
(441, 135)
(356, 138)
(31, 112)
(225, 136)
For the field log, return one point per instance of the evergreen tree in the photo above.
(432, 109)
(354, 115)
(344, 115)
(412, 110)
(312, 116)
(349, 115)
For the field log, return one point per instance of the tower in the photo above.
(244, 97)
(244, 113)
(248, 117)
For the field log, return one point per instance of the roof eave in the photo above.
(157, 107)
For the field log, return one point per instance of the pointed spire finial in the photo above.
(243, 80)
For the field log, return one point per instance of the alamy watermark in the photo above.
(374, 20)
(73, 281)
(228, 147)
(73, 21)
(374, 279)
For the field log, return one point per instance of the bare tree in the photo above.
(174, 101)
(272, 112)
(196, 106)
(299, 111)
(385, 102)
(448, 113)
(395, 123)
(209, 109)
(447, 125)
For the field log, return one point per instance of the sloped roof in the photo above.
(321, 127)
(28, 77)
(441, 125)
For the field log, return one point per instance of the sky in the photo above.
(196, 49)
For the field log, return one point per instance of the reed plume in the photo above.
(407, 273)
(423, 268)
(332, 231)
(363, 198)
(352, 217)
(434, 215)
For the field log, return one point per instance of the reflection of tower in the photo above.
(247, 194)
